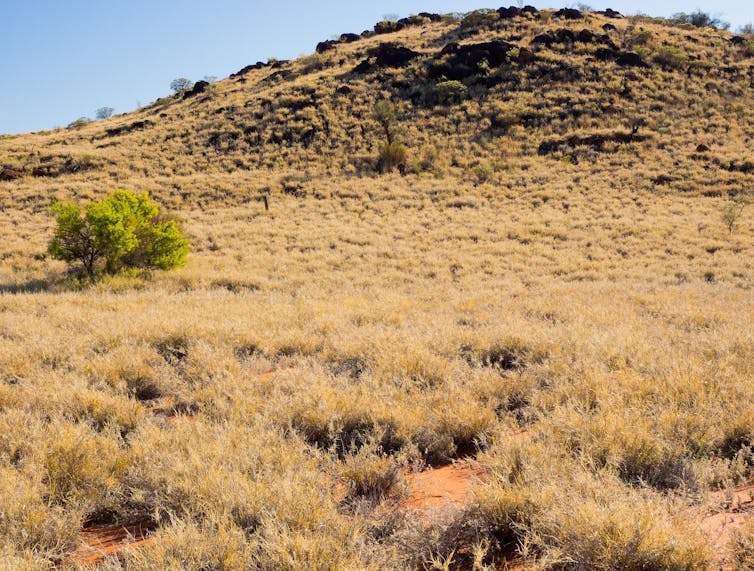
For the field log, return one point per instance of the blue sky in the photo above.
(61, 60)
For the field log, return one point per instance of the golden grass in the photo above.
(583, 331)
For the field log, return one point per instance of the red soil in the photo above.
(98, 542)
(438, 487)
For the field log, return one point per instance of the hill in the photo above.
(528, 344)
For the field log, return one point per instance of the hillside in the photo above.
(529, 346)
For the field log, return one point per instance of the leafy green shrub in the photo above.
(448, 91)
(124, 230)
(392, 155)
(671, 57)
(80, 122)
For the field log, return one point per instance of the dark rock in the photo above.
(464, 61)
(10, 174)
(529, 10)
(391, 55)
(386, 55)
(564, 35)
(344, 90)
(431, 16)
(609, 27)
(364, 67)
(135, 126)
(507, 13)
(702, 148)
(450, 48)
(248, 68)
(610, 13)
(387, 27)
(631, 59)
(568, 14)
(738, 40)
(586, 36)
(280, 63)
(526, 56)
(597, 141)
(605, 54)
(546, 39)
(418, 20)
(199, 87)
(606, 40)
(325, 46)
(367, 34)
(349, 38)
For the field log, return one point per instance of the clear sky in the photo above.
(63, 59)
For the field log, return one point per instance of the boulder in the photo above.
(546, 39)
(702, 148)
(564, 35)
(586, 36)
(248, 68)
(199, 87)
(386, 55)
(569, 14)
(507, 13)
(349, 38)
(344, 90)
(738, 40)
(605, 54)
(529, 10)
(464, 61)
(631, 59)
(10, 174)
(609, 27)
(325, 46)
(610, 13)
(386, 27)
(431, 16)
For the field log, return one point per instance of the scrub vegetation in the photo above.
(518, 241)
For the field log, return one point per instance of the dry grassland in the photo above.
(581, 335)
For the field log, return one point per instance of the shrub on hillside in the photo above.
(701, 19)
(122, 231)
(392, 155)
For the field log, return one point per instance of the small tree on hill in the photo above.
(393, 153)
(104, 112)
(181, 84)
(122, 231)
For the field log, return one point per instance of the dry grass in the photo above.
(368, 324)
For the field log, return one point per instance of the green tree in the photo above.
(385, 115)
(125, 230)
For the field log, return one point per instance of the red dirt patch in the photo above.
(438, 487)
(98, 542)
(725, 513)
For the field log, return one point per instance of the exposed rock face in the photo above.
(349, 38)
(248, 68)
(738, 40)
(631, 59)
(610, 13)
(465, 61)
(199, 87)
(325, 46)
(702, 148)
(569, 14)
(386, 55)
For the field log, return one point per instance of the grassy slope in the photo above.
(602, 311)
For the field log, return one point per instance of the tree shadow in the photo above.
(30, 286)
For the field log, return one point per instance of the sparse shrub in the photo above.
(392, 156)
(449, 91)
(480, 18)
(370, 474)
(78, 123)
(731, 212)
(481, 173)
(104, 112)
(671, 57)
(121, 231)
(701, 19)
(742, 546)
(180, 84)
